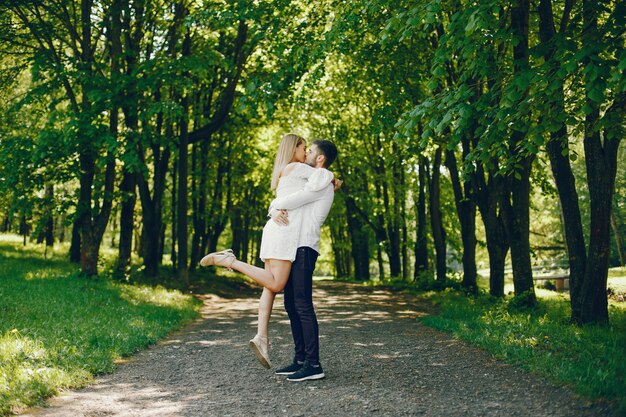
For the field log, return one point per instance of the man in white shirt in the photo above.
(299, 289)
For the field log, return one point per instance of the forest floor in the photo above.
(378, 360)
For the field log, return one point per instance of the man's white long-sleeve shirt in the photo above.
(315, 206)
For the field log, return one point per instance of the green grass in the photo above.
(59, 329)
(589, 358)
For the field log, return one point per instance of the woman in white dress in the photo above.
(279, 242)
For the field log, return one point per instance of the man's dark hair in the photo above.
(328, 149)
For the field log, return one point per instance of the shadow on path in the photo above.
(377, 358)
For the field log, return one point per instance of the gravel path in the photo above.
(377, 358)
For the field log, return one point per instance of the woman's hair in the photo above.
(285, 153)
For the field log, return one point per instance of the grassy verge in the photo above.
(590, 359)
(58, 329)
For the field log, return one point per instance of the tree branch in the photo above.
(228, 95)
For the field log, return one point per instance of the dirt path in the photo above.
(378, 361)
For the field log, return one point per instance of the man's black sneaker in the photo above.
(308, 372)
(290, 369)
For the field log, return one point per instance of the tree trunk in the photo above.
(359, 237)
(516, 200)
(381, 264)
(558, 152)
(174, 222)
(436, 218)
(466, 212)
(405, 247)
(182, 271)
(113, 228)
(93, 222)
(391, 220)
(497, 249)
(48, 231)
(393, 233)
(488, 199)
(517, 223)
(339, 241)
(152, 209)
(182, 268)
(88, 258)
(593, 303)
(75, 244)
(421, 241)
(88, 247)
(238, 229)
(601, 163)
(199, 196)
(221, 203)
(619, 245)
(127, 223)
(61, 227)
(130, 105)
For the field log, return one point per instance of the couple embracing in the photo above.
(289, 248)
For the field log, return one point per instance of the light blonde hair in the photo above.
(286, 151)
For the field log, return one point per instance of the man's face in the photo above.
(311, 155)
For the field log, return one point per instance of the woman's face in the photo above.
(300, 154)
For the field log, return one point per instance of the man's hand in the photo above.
(281, 217)
(337, 184)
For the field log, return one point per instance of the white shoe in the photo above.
(260, 346)
(224, 258)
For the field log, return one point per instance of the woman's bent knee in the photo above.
(276, 288)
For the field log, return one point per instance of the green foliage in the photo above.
(58, 329)
(541, 340)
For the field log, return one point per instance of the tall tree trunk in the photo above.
(182, 268)
(405, 247)
(93, 221)
(516, 215)
(558, 152)
(128, 185)
(182, 271)
(466, 212)
(339, 242)
(48, 231)
(393, 246)
(516, 201)
(238, 229)
(488, 199)
(61, 226)
(436, 218)
(391, 220)
(421, 241)
(497, 246)
(619, 245)
(127, 223)
(381, 263)
(89, 250)
(24, 226)
(200, 201)
(359, 237)
(216, 217)
(152, 209)
(601, 163)
(174, 222)
(74, 254)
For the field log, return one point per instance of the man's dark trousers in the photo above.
(299, 306)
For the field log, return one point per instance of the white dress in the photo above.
(281, 242)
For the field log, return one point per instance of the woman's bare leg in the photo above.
(280, 274)
(274, 277)
(266, 303)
